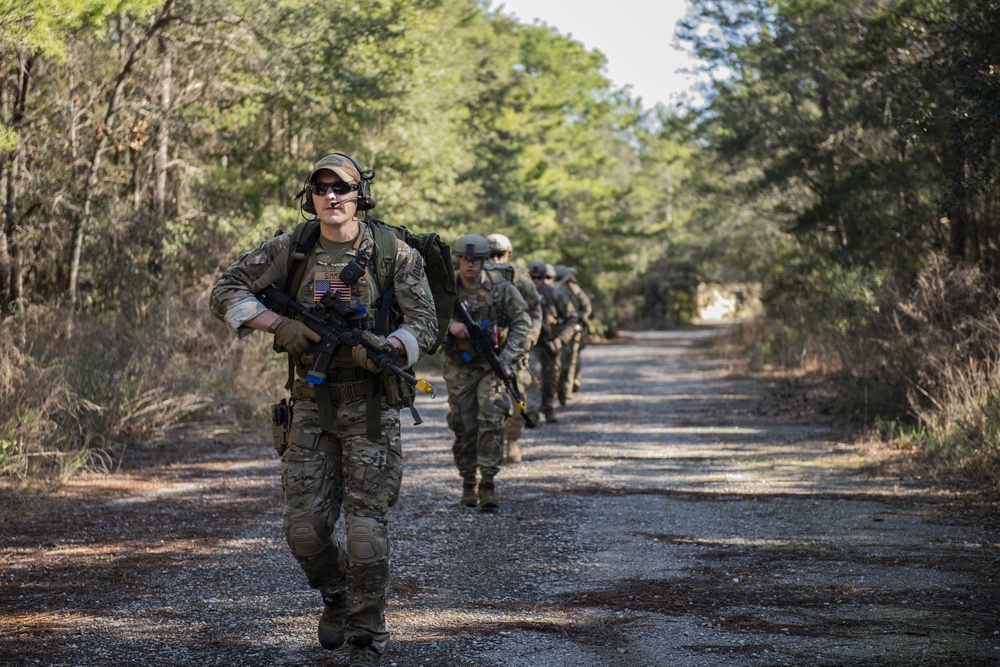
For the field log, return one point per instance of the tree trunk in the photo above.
(15, 280)
(83, 221)
(163, 148)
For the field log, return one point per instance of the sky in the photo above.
(636, 37)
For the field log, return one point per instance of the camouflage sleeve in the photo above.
(232, 299)
(568, 315)
(512, 305)
(526, 286)
(586, 307)
(415, 301)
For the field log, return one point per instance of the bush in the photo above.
(75, 398)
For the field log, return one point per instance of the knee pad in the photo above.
(366, 541)
(303, 538)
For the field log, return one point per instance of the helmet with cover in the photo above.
(499, 244)
(472, 245)
(536, 268)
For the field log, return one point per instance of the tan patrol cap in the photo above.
(339, 164)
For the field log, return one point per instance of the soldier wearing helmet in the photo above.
(569, 373)
(501, 251)
(477, 399)
(559, 319)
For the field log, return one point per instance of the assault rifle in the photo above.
(484, 346)
(338, 324)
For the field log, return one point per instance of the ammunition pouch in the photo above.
(281, 425)
(398, 392)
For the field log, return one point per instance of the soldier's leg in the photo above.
(463, 411)
(563, 385)
(313, 490)
(372, 476)
(578, 361)
(494, 406)
(550, 377)
(515, 424)
(570, 363)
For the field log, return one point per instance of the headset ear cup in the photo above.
(307, 200)
(365, 201)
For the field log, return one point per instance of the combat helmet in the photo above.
(472, 245)
(550, 272)
(499, 244)
(564, 272)
(536, 268)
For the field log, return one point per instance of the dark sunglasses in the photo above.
(338, 187)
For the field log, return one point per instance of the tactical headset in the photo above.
(364, 200)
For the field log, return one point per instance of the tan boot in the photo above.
(513, 452)
(469, 497)
(487, 495)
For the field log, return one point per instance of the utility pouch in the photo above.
(281, 425)
(398, 393)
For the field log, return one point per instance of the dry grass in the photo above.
(918, 374)
(76, 399)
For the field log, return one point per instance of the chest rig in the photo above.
(485, 309)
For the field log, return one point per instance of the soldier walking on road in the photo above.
(477, 398)
(569, 372)
(329, 458)
(501, 251)
(559, 318)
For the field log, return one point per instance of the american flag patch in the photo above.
(324, 286)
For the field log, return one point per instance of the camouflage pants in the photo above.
(527, 382)
(569, 365)
(324, 470)
(549, 380)
(477, 407)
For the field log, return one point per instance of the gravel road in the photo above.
(677, 515)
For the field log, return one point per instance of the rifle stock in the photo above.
(330, 319)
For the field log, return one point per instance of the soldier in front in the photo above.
(477, 399)
(342, 447)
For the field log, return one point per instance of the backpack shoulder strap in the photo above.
(304, 239)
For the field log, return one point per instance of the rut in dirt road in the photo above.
(676, 515)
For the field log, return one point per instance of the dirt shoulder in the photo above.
(676, 515)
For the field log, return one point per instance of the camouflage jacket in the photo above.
(559, 316)
(526, 286)
(580, 299)
(496, 302)
(233, 300)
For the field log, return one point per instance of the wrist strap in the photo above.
(275, 324)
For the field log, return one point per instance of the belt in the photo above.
(341, 392)
(312, 441)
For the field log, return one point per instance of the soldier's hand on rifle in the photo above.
(292, 336)
(507, 362)
(458, 330)
(390, 346)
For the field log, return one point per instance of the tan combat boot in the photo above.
(487, 495)
(469, 497)
(513, 452)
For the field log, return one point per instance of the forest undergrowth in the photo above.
(914, 369)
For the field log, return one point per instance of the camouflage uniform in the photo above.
(324, 469)
(569, 372)
(559, 319)
(526, 380)
(477, 399)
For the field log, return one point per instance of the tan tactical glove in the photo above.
(360, 353)
(292, 336)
